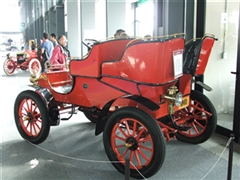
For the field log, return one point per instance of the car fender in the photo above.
(104, 112)
(44, 93)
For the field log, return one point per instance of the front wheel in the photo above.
(201, 118)
(134, 134)
(9, 66)
(34, 66)
(31, 117)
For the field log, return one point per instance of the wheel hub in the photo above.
(131, 143)
(30, 117)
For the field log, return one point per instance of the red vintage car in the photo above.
(137, 92)
(24, 60)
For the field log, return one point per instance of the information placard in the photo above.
(178, 63)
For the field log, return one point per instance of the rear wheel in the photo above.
(31, 117)
(93, 117)
(134, 134)
(9, 66)
(201, 118)
(34, 66)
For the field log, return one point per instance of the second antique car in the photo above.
(137, 92)
(29, 59)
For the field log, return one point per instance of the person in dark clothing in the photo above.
(46, 49)
(53, 39)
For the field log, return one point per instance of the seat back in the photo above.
(104, 51)
(146, 61)
(196, 55)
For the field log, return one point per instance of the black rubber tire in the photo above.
(38, 107)
(149, 123)
(90, 116)
(206, 105)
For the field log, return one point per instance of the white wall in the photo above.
(72, 14)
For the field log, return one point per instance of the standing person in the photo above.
(53, 39)
(60, 52)
(46, 50)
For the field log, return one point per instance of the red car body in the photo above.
(130, 89)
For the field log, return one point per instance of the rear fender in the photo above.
(203, 85)
(104, 112)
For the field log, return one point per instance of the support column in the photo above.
(59, 18)
(73, 24)
(47, 19)
(172, 14)
(52, 21)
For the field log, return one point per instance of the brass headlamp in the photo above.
(173, 98)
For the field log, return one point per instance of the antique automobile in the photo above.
(137, 92)
(24, 60)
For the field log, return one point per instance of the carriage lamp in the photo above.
(26, 56)
(173, 98)
(33, 79)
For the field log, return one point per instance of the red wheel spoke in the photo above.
(203, 118)
(120, 146)
(24, 108)
(121, 130)
(124, 154)
(140, 133)
(27, 125)
(24, 115)
(36, 125)
(131, 156)
(195, 128)
(37, 115)
(143, 155)
(31, 128)
(127, 127)
(134, 128)
(31, 105)
(145, 139)
(35, 107)
(34, 128)
(28, 108)
(120, 138)
(199, 124)
(201, 110)
(145, 148)
(137, 158)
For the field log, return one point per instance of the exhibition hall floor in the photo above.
(72, 151)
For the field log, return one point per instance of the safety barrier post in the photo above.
(230, 157)
(127, 169)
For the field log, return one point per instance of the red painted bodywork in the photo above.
(117, 68)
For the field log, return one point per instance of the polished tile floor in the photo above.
(72, 151)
